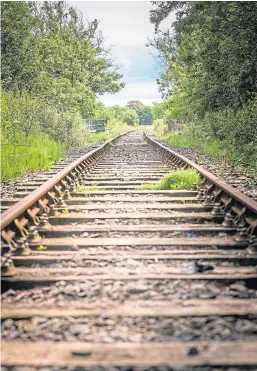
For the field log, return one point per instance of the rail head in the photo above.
(35, 207)
(15, 211)
(229, 204)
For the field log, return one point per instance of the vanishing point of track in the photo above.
(116, 278)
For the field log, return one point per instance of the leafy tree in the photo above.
(130, 117)
(144, 112)
(135, 104)
(209, 75)
(51, 54)
(123, 114)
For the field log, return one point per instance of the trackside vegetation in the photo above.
(177, 179)
(208, 81)
(54, 65)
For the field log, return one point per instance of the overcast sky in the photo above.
(127, 26)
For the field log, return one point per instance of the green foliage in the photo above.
(53, 66)
(236, 142)
(178, 179)
(117, 127)
(209, 79)
(148, 186)
(65, 211)
(144, 112)
(125, 115)
(50, 50)
(130, 117)
(41, 248)
(92, 188)
(38, 152)
(91, 138)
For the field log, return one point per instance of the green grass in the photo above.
(177, 179)
(65, 211)
(82, 188)
(41, 248)
(212, 147)
(190, 137)
(33, 154)
(91, 138)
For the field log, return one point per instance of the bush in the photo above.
(229, 135)
(117, 127)
(130, 117)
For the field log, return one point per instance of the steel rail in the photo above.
(227, 188)
(21, 206)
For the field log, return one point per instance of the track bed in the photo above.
(117, 278)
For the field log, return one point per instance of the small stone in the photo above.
(133, 262)
(189, 268)
(137, 289)
(238, 287)
(7, 324)
(222, 234)
(135, 338)
(74, 248)
(10, 292)
(60, 283)
(193, 351)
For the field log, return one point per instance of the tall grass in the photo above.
(37, 153)
(91, 138)
(190, 137)
(117, 127)
(36, 133)
(212, 148)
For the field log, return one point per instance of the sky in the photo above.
(126, 26)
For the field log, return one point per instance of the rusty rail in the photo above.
(47, 193)
(228, 202)
(233, 192)
(138, 258)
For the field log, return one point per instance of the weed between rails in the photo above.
(41, 248)
(177, 179)
(82, 188)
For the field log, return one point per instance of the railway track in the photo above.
(108, 277)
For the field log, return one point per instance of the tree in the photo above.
(55, 64)
(48, 49)
(135, 104)
(130, 117)
(144, 112)
(209, 75)
(214, 46)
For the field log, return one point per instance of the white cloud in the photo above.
(146, 92)
(127, 26)
(126, 62)
(124, 22)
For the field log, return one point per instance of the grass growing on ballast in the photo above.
(177, 179)
(92, 188)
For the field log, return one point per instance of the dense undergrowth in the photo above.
(209, 79)
(35, 134)
(230, 150)
(54, 67)
(177, 179)
(36, 153)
